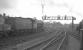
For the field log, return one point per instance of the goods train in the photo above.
(9, 25)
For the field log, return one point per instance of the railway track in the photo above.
(31, 43)
(55, 43)
(64, 43)
(52, 43)
(75, 35)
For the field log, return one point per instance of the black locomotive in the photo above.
(9, 25)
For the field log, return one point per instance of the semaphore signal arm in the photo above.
(58, 17)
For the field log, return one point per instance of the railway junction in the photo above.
(49, 40)
(46, 38)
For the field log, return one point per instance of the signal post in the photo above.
(60, 18)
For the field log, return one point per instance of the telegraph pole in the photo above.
(43, 6)
(72, 24)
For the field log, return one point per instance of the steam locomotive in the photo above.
(9, 25)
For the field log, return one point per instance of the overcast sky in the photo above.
(32, 8)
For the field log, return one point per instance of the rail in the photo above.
(52, 41)
(62, 42)
(59, 39)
